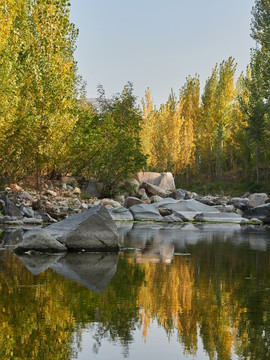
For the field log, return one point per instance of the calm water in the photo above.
(192, 292)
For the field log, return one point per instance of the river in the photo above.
(172, 292)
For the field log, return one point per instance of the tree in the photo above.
(47, 83)
(107, 145)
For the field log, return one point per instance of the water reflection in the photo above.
(212, 304)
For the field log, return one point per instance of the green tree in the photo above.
(107, 144)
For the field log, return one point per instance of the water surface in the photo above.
(179, 292)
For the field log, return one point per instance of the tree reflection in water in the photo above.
(220, 293)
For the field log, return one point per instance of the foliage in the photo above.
(107, 143)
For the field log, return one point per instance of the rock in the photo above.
(45, 217)
(92, 229)
(24, 196)
(10, 220)
(121, 213)
(219, 217)
(179, 194)
(120, 199)
(110, 202)
(39, 240)
(130, 201)
(84, 206)
(92, 189)
(164, 212)
(141, 192)
(10, 209)
(51, 193)
(257, 199)
(225, 208)
(255, 221)
(77, 191)
(163, 180)
(32, 221)
(131, 186)
(261, 212)
(154, 190)
(155, 198)
(239, 203)
(27, 211)
(188, 208)
(145, 212)
(172, 218)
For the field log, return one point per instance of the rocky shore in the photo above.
(147, 197)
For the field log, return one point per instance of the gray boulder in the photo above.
(225, 208)
(189, 208)
(219, 218)
(39, 240)
(257, 199)
(92, 229)
(145, 212)
(130, 201)
(27, 211)
(260, 212)
(121, 213)
(154, 190)
(179, 194)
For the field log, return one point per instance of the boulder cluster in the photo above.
(148, 197)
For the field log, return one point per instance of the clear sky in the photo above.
(158, 43)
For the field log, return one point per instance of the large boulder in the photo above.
(145, 212)
(257, 199)
(261, 212)
(92, 230)
(154, 190)
(39, 240)
(219, 218)
(163, 180)
(187, 208)
(10, 209)
(179, 194)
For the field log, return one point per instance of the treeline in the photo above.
(48, 128)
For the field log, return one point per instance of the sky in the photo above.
(158, 43)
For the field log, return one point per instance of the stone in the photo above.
(257, 199)
(255, 221)
(225, 208)
(51, 193)
(32, 221)
(131, 186)
(24, 195)
(39, 240)
(145, 212)
(120, 199)
(130, 201)
(179, 194)
(10, 209)
(45, 217)
(164, 212)
(141, 192)
(163, 180)
(219, 218)
(10, 220)
(172, 218)
(77, 191)
(167, 181)
(92, 189)
(189, 208)
(261, 212)
(154, 190)
(84, 206)
(155, 198)
(27, 211)
(121, 214)
(111, 202)
(91, 230)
